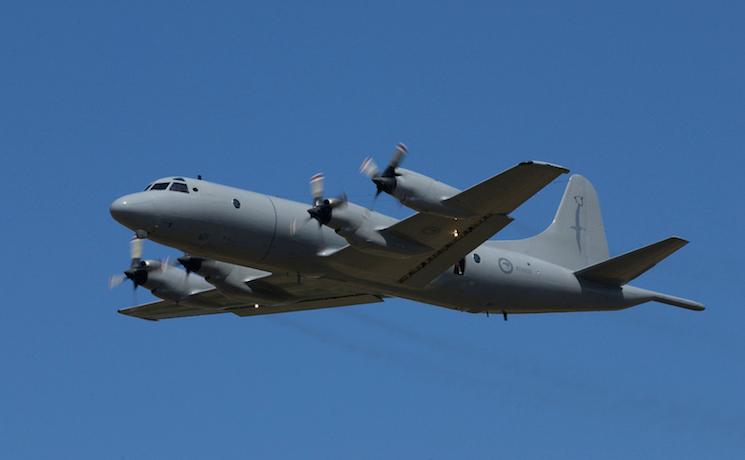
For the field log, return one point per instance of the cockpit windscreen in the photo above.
(179, 187)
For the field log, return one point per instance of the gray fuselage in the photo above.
(276, 235)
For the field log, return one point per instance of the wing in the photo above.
(506, 191)
(306, 294)
(451, 239)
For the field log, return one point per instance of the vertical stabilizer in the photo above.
(576, 237)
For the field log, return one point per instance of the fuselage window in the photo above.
(460, 268)
(179, 187)
(236, 203)
(159, 186)
(477, 258)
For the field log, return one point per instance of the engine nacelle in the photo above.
(233, 280)
(352, 223)
(168, 282)
(413, 190)
(424, 194)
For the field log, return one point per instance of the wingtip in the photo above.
(547, 164)
(124, 312)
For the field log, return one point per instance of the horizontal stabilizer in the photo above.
(619, 270)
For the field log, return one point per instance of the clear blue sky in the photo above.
(644, 98)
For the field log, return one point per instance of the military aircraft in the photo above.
(249, 254)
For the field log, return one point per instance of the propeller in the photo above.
(138, 268)
(116, 280)
(323, 208)
(135, 248)
(385, 181)
(190, 263)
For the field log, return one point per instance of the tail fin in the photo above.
(576, 237)
(621, 269)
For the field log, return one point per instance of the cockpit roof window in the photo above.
(179, 187)
(179, 178)
(159, 186)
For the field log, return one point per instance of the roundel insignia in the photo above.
(505, 265)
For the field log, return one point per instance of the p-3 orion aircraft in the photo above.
(251, 254)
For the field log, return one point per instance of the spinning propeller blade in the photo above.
(369, 168)
(116, 280)
(316, 188)
(135, 248)
(398, 156)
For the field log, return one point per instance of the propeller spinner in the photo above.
(191, 263)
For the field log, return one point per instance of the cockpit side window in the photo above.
(159, 186)
(179, 187)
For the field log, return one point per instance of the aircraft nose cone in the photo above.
(118, 209)
(133, 211)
